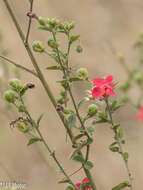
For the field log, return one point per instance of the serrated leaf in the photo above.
(121, 186)
(88, 165)
(34, 140)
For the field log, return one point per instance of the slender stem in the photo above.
(52, 153)
(66, 76)
(30, 21)
(44, 83)
(119, 144)
(17, 65)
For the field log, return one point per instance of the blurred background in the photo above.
(102, 24)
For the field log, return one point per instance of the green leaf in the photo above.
(78, 158)
(81, 103)
(115, 105)
(103, 117)
(121, 186)
(120, 132)
(74, 38)
(91, 130)
(64, 181)
(39, 119)
(71, 120)
(74, 79)
(34, 140)
(55, 67)
(88, 165)
(114, 147)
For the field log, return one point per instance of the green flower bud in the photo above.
(67, 111)
(79, 49)
(10, 96)
(138, 77)
(63, 93)
(21, 108)
(16, 85)
(22, 126)
(82, 73)
(92, 110)
(60, 100)
(42, 21)
(38, 46)
(69, 25)
(52, 43)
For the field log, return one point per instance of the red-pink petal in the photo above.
(109, 78)
(85, 180)
(97, 92)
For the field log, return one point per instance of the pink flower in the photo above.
(140, 114)
(84, 184)
(103, 87)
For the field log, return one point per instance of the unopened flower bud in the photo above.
(79, 49)
(21, 108)
(22, 126)
(38, 46)
(92, 110)
(10, 96)
(16, 85)
(82, 73)
(42, 20)
(52, 43)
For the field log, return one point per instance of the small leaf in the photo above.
(120, 133)
(55, 67)
(81, 103)
(74, 79)
(39, 119)
(34, 140)
(71, 120)
(64, 181)
(73, 38)
(91, 130)
(113, 147)
(88, 165)
(78, 158)
(121, 186)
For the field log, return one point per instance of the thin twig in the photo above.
(18, 66)
(30, 21)
(120, 145)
